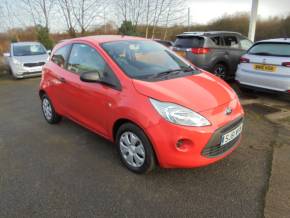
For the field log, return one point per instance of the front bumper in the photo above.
(200, 145)
(23, 72)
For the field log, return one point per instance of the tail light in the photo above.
(244, 60)
(200, 50)
(286, 64)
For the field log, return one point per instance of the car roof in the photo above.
(105, 38)
(25, 43)
(287, 40)
(207, 33)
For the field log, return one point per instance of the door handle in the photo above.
(61, 79)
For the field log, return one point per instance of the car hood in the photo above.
(32, 58)
(199, 92)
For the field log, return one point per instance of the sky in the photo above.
(203, 11)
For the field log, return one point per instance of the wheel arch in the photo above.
(41, 92)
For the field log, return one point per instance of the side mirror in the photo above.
(6, 54)
(48, 52)
(90, 77)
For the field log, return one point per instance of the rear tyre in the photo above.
(48, 111)
(135, 149)
(221, 70)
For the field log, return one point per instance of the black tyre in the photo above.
(221, 70)
(48, 110)
(135, 149)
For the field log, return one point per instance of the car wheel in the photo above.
(220, 70)
(135, 149)
(48, 111)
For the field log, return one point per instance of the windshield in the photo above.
(146, 59)
(27, 50)
(271, 49)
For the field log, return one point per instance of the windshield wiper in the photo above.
(167, 72)
(262, 53)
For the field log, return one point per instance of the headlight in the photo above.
(179, 115)
(15, 61)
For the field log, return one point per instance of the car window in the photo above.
(231, 41)
(83, 58)
(217, 40)
(59, 57)
(28, 50)
(271, 49)
(245, 44)
(189, 42)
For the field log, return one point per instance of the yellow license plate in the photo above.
(263, 67)
(180, 53)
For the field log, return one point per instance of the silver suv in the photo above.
(218, 52)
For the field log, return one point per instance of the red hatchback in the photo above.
(155, 105)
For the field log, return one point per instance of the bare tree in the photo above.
(66, 8)
(39, 10)
(175, 13)
(131, 10)
(88, 12)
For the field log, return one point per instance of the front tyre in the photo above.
(135, 149)
(48, 111)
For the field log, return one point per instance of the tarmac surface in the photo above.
(67, 171)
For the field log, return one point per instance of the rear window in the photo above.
(271, 49)
(189, 42)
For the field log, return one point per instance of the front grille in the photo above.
(34, 64)
(214, 147)
(31, 73)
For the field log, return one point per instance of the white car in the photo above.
(26, 59)
(266, 65)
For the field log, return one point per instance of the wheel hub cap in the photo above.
(132, 149)
(47, 110)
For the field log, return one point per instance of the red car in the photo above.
(155, 105)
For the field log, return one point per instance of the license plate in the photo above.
(263, 67)
(230, 136)
(181, 53)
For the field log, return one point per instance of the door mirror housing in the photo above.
(48, 52)
(6, 54)
(91, 77)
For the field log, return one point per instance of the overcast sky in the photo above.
(203, 11)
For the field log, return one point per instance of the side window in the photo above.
(84, 58)
(231, 41)
(59, 57)
(245, 44)
(217, 40)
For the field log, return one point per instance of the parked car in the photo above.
(218, 52)
(26, 59)
(266, 66)
(155, 105)
(167, 43)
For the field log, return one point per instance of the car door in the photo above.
(56, 73)
(231, 43)
(90, 103)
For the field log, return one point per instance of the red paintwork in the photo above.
(98, 107)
